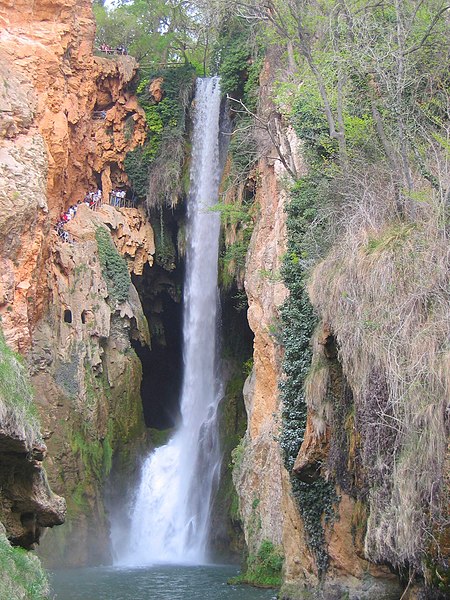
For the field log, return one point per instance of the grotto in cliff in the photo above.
(224, 300)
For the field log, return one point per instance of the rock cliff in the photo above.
(67, 120)
(27, 504)
(83, 363)
(268, 506)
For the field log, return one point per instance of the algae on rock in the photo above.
(22, 574)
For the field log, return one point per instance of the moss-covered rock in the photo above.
(88, 378)
(263, 568)
(23, 577)
(18, 413)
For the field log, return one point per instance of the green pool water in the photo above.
(153, 583)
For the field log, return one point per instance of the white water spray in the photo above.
(170, 515)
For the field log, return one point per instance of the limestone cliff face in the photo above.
(67, 120)
(267, 506)
(89, 376)
(132, 234)
(267, 509)
(27, 504)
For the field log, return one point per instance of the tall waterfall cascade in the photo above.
(171, 510)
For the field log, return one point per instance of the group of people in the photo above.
(106, 48)
(92, 199)
(117, 197)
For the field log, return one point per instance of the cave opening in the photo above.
(236, 335)
(162, 362)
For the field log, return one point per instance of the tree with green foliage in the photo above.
(380, 65)
(159, 32)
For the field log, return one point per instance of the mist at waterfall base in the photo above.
(170, 512)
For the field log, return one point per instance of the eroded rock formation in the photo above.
(27, 504)
(268, 508)
(83, 363)
(67, 120)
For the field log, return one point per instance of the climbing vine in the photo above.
(298, 319)
(114, 267)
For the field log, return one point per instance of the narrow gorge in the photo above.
(224, 300)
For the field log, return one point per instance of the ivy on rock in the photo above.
(298, 319)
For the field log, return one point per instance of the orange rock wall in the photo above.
(67, 120)
(52, 148)
(262, 481)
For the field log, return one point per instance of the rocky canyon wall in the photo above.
(67, 120)
(268, 506)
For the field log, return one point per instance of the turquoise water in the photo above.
(153, 583)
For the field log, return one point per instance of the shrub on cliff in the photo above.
(263, 568)
(374, 122)
(23, 577)
(114, 266)
(18, 413)
(155, 169)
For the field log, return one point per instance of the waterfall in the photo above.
(170, 514)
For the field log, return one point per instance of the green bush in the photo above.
(238, 60)
(23, 577)
(17, 409)
(136, 165)
(114, 267)
(155, 169)
(263, 568)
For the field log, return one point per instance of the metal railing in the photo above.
(113, 200)
(119, 202)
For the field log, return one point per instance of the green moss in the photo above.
(239, 218)
(264, 568)
(114, 267)
(17, 407)
(77, 501)
(160, 437)
(166, 253)
(107, 453)
(23, 577)
(237, 455)
(90, 452)
(437, 576)
(232, 425)
(95, 453)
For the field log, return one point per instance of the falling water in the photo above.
(170, 515)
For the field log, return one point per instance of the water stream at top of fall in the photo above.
(171, 509)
